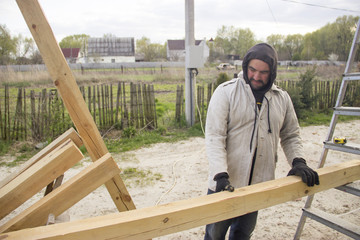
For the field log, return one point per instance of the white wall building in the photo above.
(109, 50)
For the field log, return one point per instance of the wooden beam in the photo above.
(178, 216)
(65, 196)
(69, 134)
(35, 178)
(70, 93)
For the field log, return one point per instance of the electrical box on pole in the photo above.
(195, 56)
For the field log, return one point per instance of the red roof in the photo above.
(71, 52)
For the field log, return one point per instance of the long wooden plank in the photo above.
(71, 95)
(69, 134)
(35, 178)
(178, 216)
(66, 195)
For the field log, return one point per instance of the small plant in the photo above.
(118, 126)
(161, 130)
(129, 132)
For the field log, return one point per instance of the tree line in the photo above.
(330, 42)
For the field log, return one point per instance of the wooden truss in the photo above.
(50, 163)
(63, 153)
(178, 216)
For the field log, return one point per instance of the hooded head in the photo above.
(265, 53)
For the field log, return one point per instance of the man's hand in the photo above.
(222, 182)
(308, 176)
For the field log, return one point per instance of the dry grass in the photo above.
(24, 79)
(41, 78)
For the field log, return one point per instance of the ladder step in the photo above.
(333, 222)
(351, 111)
(354, 149)
(350, 188)
(351, 76)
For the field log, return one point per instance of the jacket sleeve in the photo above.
(290, 133)
(216, 132)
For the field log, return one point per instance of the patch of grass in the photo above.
(139, 177)
(19, 84)
(4, 147)
(22, 151)
(146, 138)
(313, 118)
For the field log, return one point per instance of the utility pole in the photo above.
(189, 81)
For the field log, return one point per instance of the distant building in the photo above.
(176, 50)
(71, 54)
(109, 50)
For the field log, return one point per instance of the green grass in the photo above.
(21, 151)
(139, 177)
(311, 118)
(146, 138)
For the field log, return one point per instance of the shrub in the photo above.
(306, 87)
(298, 104)
(222, 77)
(129, 132)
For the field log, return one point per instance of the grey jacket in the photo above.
(235, 127)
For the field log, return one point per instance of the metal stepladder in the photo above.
(329, 220)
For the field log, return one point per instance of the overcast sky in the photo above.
(165, 19)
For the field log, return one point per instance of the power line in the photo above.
(316, 5)
(271, 11)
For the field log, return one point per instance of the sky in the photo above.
(161, 20)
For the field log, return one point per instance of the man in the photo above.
(245, 120)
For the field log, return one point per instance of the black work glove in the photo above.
(222, 182)
(308, 176)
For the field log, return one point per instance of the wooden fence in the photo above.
(200, 104)
(42, 115)
(324, 95)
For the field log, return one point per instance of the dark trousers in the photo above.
(241, 227)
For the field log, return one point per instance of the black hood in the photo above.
(266, 53)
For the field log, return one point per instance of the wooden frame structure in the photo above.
(60, 155)
(178, 216)
(70, 93)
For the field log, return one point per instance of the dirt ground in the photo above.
(183, 167)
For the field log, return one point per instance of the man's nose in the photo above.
(257, 75)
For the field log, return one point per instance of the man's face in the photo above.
(258, 73)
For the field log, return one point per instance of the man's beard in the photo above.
(258, 87)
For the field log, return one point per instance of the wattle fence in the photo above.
(42, 115)
(26, 114)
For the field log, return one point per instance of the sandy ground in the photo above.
(183, 167)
